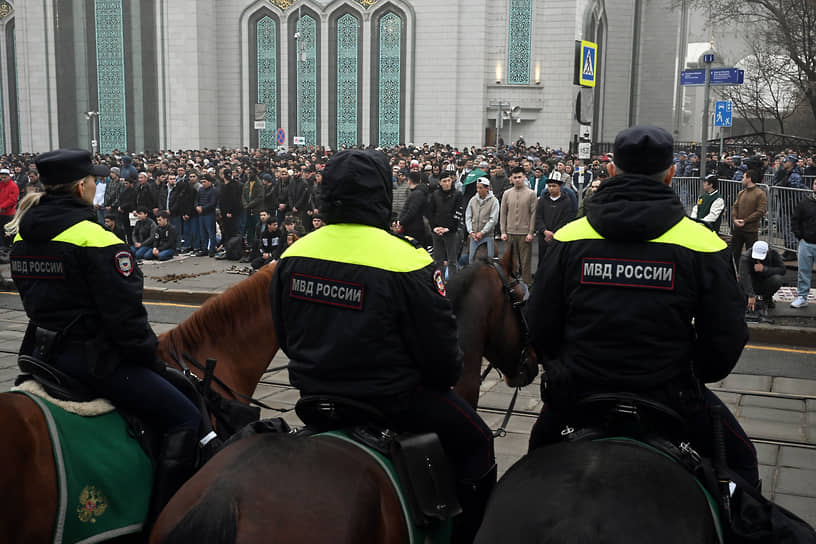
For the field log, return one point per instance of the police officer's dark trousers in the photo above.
(467, 442)
(740, 452)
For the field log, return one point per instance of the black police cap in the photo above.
(67, 165)
(643, 149)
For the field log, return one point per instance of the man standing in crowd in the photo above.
(636, 259)
(517, 219)
(205, 204)
(481, 216)
(444, 215)
(761, 271)
(126, 206)
(710, 205)
(252, 200)
(804, 227)
(553, 211)
(147, 195)
(746, 213)
(412, 216)
(9, 193)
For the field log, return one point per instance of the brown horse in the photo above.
(243, 348)
(293, 490)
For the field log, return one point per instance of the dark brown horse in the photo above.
(243, 348)
(288, 490)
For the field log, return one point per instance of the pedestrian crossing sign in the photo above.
(588, 64)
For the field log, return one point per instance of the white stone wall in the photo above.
(36, 76)
(454, 49)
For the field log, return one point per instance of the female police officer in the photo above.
(83, 296)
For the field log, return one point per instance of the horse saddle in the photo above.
(624, 414)
(55, 382)
(422, 468)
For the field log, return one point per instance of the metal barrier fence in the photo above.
(775, 226)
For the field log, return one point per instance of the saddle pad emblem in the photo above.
(92, 504)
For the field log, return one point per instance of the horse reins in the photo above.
(507, 287)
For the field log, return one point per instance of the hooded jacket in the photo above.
(635, 295)
(69, 269)
(356, 308)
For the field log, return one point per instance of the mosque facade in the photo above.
(191, 74)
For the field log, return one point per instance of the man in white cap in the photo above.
(761, 271)
(481, 215)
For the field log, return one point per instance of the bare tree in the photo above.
(787, 27)
(767, 92)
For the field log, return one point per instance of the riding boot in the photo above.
(473, 496)
(176, 464)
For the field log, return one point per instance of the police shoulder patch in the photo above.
(124, 263)
(439, 282)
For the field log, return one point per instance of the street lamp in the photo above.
(90, 116)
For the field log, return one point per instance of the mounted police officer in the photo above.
(82, 292)
(636, 297)
(362, 313)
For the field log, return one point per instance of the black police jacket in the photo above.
(635, 295)
(69, 270)
(357, 311)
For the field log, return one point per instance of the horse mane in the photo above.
(217, 317)
(462, 280)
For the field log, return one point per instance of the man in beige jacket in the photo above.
(517, 220)
(746, 214)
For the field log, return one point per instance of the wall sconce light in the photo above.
(538, 74)
(498, 73)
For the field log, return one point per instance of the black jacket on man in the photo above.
(147, 195)
(230, 199)
(445, 209)
(803, 222)
(636, 295)
(182, 199)
(413, 213)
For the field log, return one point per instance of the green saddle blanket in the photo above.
(104, 478)
(438, 533)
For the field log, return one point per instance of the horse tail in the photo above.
(213, 519)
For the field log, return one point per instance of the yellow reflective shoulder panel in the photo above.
(361, 245)
(580, 229)
(686, 233)
(692, 235)
(88, 234)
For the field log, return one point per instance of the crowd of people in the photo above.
(250, 205)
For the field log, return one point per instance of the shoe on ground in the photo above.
(799, 302)
(789, 255)
(245, 259)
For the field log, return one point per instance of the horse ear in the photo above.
(506, 261)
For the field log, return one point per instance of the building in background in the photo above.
(172, 74)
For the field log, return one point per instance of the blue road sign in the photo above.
(722, 113)
(692, 77)
(280, 136)
(708, 59)
(726, 76)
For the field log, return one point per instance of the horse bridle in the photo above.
(508, 287)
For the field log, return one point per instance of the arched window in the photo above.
(266, 41)
(520, 34)
(347, 75)
(110, 75)
(303, 77)
(389, 43)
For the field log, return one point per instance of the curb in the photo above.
(782, 334)
(157, 294)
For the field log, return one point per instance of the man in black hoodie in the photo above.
(362, 313)
(637, 297)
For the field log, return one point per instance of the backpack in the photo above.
(234, 248)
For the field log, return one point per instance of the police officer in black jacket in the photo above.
(82, 292)
(360, 314)
(636, 297)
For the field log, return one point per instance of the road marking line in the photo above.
(788, 350)
(171, 304)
